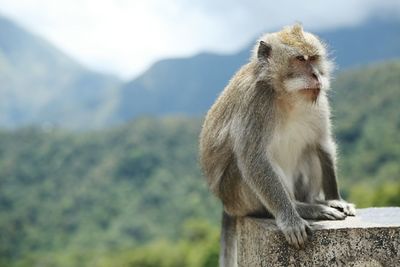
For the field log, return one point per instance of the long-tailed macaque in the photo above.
(266, 145)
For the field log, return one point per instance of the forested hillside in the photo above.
(367, 116)
(134, 195)
(103, 190)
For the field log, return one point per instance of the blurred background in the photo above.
(101, 104)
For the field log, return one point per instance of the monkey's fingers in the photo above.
(291, 239)
(301, 236)
(295, 239)
(305, 233)
(296, 235)
(309, 231)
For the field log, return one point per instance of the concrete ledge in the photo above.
(372, 238)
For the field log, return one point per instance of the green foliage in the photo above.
(198, 247)
(367, 123)
(387, 194)
(107, 190)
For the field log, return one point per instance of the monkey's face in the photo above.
(306, 76)
(295, 62)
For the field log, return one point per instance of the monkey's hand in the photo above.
(347, 208)
(295, 229)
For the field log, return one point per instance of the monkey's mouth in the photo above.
(311, 93)
(311, 89)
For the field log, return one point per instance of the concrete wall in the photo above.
(372, 238)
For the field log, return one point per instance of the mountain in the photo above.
(90, 193)
(190, 85)
(372, 41)
(184, 86)
(40, 84)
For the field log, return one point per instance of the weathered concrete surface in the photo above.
(372, 238)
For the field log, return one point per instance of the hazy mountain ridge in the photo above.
(39, 83)
(190, 85)
(375, 40)
(183, 86)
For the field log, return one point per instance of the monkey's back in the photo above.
(217, 158)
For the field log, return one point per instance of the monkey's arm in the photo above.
(265, 182)
(259, 174)
(250, 138)
(329, 183)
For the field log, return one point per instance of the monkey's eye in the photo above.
(314, 57)
(300, 58)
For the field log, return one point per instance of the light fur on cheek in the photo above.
(325, 84)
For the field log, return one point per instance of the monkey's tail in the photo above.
(228, 251)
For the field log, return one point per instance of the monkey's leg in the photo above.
(228, 254)
(318, 212)
(329, 184)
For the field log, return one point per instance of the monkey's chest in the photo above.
(289, 142)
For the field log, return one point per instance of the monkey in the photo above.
(266, 146)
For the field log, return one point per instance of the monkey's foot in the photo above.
(328, 213)
(347, 208)
(295, 229)
(319, 211)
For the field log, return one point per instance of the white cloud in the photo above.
(126, 36)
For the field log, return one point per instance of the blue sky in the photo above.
(124, 37)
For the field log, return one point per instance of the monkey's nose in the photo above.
(316, 80)
(315, 76)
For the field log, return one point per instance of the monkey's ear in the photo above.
(264, 51)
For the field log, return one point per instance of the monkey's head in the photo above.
(294, 61)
